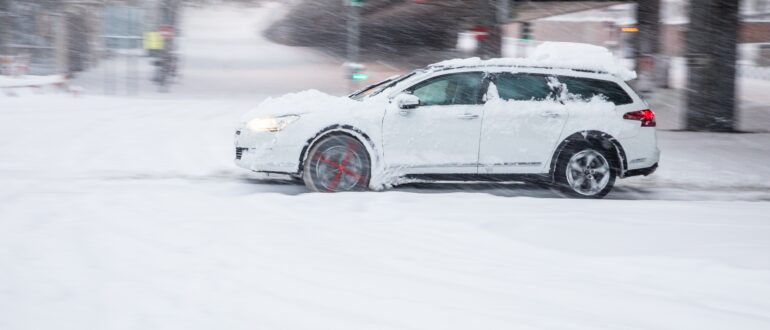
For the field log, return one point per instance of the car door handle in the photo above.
(549, 114)
(467, 116)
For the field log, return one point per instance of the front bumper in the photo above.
(265, 152)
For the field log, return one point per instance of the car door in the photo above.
(522, 124)
(441, 134)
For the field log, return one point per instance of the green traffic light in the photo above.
(359, 76)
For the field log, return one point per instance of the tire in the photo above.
(337, 163)
(585, 171)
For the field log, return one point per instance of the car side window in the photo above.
(522, 87)
(451, 89)
(586, 88)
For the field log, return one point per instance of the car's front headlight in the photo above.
(273, 124)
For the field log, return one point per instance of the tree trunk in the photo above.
(5, 27)
(711, 55)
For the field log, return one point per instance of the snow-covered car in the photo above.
(575, 125)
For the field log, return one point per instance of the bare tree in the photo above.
(5, 26)
(712, 39)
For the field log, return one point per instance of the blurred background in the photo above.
(679, 48)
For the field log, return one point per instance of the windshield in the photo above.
(377, 88)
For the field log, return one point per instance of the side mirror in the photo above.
(407, 101)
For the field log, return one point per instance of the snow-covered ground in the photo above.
(30, 81)
(128, 213)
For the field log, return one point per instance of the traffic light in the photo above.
(526, 30)
(359, 76)
(357, 3)
(356, 71)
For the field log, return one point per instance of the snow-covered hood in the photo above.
(302, 103)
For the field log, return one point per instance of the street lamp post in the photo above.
(354, 30)
(353, 67)
(493, 14)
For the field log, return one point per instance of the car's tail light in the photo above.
(647, 117)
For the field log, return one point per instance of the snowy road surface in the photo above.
(125, 214)
(121, 213)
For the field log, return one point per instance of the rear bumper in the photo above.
(641, 171)
(641, 150)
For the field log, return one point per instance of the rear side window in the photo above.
(522, 87)
(586, 88)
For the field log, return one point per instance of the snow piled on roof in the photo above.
(562, 55)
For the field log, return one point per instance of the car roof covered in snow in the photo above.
(553, 55)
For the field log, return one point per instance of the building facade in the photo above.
(605, 27)
(69, 36)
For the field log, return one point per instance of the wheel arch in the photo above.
(606, 141)
(332, 130)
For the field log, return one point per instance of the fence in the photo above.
(30, 36)
(14, 65)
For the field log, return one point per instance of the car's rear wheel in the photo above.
(337, 163)
(585, 171)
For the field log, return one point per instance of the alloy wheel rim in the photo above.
(588, 172)
(339, 168)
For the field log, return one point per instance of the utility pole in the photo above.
(493, 14)
(354, 30)
(712, 38)
(354, 69)
(503, 12)
(166, 64)
(169, 11)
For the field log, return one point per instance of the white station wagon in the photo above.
(577, 128)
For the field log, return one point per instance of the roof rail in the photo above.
(554, 55)
(436, 67)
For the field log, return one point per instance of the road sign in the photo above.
(481, 33)
(167, 31)
(153, 41)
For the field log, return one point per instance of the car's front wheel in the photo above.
(337, 163)
(585, 171)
